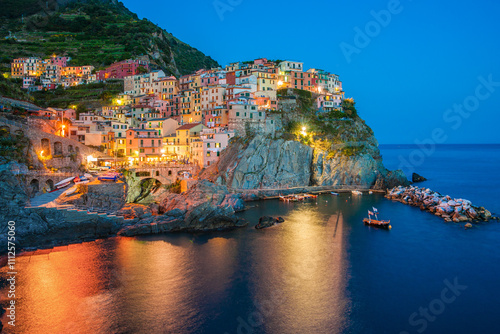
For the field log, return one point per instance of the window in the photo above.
(237, 114)
(142, 142)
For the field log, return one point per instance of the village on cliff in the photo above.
(159, 118)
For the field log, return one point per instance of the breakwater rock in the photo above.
(450, 209)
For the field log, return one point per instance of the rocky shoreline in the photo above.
(450, 209)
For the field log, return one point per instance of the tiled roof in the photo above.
(188, 126)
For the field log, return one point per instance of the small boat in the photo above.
(63, 183)
(370, 192)
(291, 198)
(306, 196)
(109, 177)
(81, 180)
(70, 191)
(334, 193)
(356, 192)
(376, 222)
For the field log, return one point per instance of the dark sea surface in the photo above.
(321, 271)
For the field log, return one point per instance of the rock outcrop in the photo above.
(417, 178)
(205, 206)
(268, 221)
(263, 162)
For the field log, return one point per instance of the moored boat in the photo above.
(63, 183)
(376, 222)
(356, 192)
(334, 193)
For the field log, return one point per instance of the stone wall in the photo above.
(108, 197)
(36, 136)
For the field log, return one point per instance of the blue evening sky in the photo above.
(406, 78)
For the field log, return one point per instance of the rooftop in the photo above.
(188, 126)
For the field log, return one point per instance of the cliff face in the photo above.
(264, 162)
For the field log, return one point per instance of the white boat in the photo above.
(334, 193)
(64, 183)
(70, 191)
(370, 192)
(356, 192)
(81, 180)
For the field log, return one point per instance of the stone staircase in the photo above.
(70, 214)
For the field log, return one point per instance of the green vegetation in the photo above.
(81, 96)
(12, 88)
(174, 187)
(348, 105)
(335, 132)
(92, 32)
(13, 147)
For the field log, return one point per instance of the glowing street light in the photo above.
(119, 102)
(303, 132)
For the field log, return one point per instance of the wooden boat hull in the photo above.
(378, 223)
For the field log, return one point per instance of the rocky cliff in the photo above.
(351, 158)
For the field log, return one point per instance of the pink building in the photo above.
(122, 69)
(59, 61)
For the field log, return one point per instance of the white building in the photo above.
(288, 65)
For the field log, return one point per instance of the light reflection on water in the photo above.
(321, 271)
(191, 283)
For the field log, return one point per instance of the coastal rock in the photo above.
(264, 162)
(268, 221)
(205, 206)
(417, 178)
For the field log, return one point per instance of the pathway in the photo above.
(46, 198)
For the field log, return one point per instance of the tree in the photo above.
(80, 108)
(142, 70)
(348, 105)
